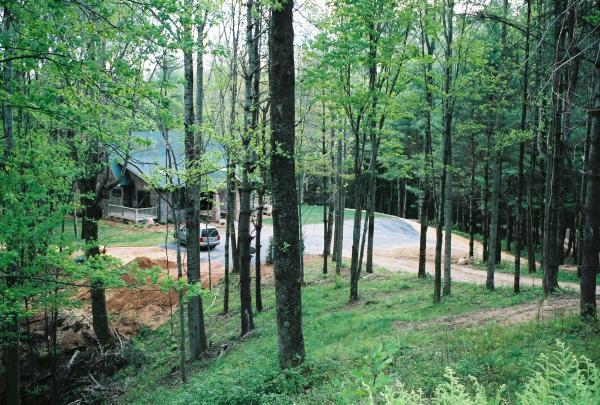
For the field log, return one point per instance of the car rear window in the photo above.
(210, 233)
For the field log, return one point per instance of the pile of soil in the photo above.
(130, 309)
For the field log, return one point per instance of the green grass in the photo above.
(509, 267)
(313, 214)
(344, 345)
(118, 234)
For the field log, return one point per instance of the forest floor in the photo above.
(395, 313)
(397, 249)
(394, 328)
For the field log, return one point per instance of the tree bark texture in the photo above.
(286, 261)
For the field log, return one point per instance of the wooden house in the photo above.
(149, 180)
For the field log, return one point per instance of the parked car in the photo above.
(209, 236)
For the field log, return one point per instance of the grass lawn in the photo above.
(509, 267)
(313, 214)
(119, 234)
(346, 344)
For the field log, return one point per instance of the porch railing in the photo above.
(131, 214)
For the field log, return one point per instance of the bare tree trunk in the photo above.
(583, 191)
(232, 193)
(494, 234)
(371, 216)
(250, 126)
(426, 42)
(523, 126)
(486, 196)
(228, 227)
(472, 200)
(448, 103)
(339, 214)
(196, 330)
(261, 198)
(89, 233)
(591, 234)
(324, 192)
(283, 173)
(257, 264)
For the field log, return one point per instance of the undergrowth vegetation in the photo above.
(560, 378)
(356, 352)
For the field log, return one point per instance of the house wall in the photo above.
(223, 203)
(162, 200)
(138, 185)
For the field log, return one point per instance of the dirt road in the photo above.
(396, 248)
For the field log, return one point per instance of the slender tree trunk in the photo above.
(341, 198)
(486, 196)
(494, 234)
(555, 163)
(354, 264)
(472, 200)
(89, 233)
(177, 221)
(583, 191)
(228, 227)
(261, 188)
(324, 193)
(371, 212)
(591, 232)
(531, 265)
(196, 330)
(426, 42)
(521, 182)
(448, 102)
(250, 126)
(232, 193)
(285, 218)
(257, 264)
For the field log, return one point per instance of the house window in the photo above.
(116, 192)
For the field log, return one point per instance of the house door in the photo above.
(128, 196)
(143, 199)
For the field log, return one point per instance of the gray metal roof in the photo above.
(150, 160)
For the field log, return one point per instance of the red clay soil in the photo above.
(131, 308)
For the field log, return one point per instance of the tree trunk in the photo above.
(228, 227)
(354, 264)
(583, 191)
(437, 277)
(257, 264)
(286, 261)
(89, 233)
(232, 193)
(494, 234)
(591, 232)
(448, 103)
(486, 196)
(371, 211)
(521, 182)
(472, 200)
(196, 330)
(499, 227)
(426, 42)
(250, 126)
(339, 214)
(324, 193)
(261, 194)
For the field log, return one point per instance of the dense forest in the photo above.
(345, 201)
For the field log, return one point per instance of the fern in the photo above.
(561, 378)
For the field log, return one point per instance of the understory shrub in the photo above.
(560, 378)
